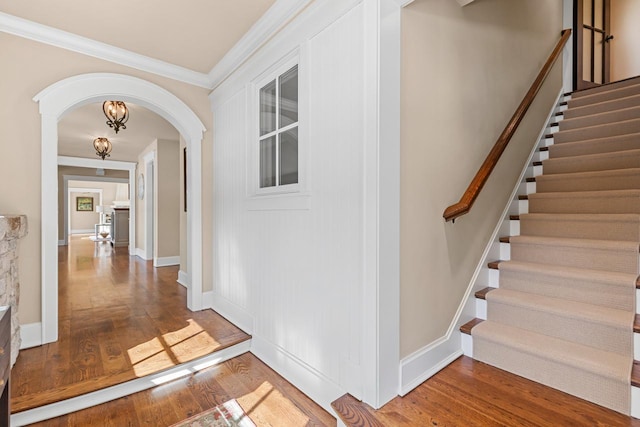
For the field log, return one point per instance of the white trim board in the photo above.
(140, 253)
(183, 279)
(314, 384)
(427, 361)
(274, 19)
(105, 395)
(82, 231)
(31, 335)
(166, 261)
(67, 94)
(75, 43)
(229, 310)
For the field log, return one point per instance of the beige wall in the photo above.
(625, 47)
(166, 190)
(168, 199)
(464, 71)
(83, 221)
(33, 67)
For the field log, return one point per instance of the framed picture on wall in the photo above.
(84, 204)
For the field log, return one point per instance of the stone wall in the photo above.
(12, 228)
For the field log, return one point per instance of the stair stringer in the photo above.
(495, 250)
(426, 362)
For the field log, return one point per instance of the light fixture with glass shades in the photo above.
(103, 147)
(117, 114)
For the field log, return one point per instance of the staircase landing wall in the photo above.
(464, 72)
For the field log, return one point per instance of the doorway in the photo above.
(592, 29)
(68, 94)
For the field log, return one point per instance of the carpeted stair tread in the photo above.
(592, 162)
(631, 81)
(604, 288)
(616, 116)
(612, 105)
(597, 131)
(564, 309)
(594, 98)
(595, 326)
(595, 146)
(605, 201)
(618, 179)
(599, 376)
(606, 255)
(582, 226)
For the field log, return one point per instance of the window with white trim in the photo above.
(278, 131)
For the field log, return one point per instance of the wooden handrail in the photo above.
(469, 196)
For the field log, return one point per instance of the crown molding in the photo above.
(404, 3)
(65, 40)
(266, 27)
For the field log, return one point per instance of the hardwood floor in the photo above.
(119, 319)
(267, 398)
(470, 393)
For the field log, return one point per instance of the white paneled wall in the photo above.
(294, 277)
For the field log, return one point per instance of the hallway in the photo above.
(120, 319)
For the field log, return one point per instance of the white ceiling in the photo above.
(194, 34)
(78, 129)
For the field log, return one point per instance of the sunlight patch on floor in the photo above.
(260, 405)
(171, 349)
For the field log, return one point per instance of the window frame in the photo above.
(287, 196)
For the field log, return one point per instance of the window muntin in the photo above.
(278, 140)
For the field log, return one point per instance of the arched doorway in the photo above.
(64, 96)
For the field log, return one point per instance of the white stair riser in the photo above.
(467, 344)
(635, 402)
(467, 349)
(514, 227)
(539, 156)
(505, 251)
(481, 309)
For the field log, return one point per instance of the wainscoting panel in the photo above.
(297, 269)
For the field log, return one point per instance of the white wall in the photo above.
(293, 269)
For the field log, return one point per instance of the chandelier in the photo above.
(117, 114)
(103, 147)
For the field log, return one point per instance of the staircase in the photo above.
(562, 309)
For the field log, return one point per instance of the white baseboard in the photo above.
(141, 253)
(31, 335)
(105, 395)
(229, 310)
(166, 261)
(83, 231)
(314, 384)
(207, 299)
(183, 279)
(428, 361)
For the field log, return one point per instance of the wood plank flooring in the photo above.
(119, 319)
(267, 398)
(470, 393)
